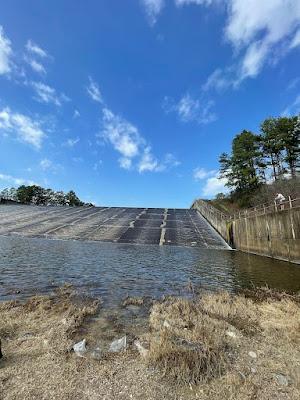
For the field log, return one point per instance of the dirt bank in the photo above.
(215, 346)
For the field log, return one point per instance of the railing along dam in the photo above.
(163, 226)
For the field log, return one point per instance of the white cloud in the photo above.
(202, 173)
(24, 128)
(129, 143)
(46, 164)
(214, 185)
(293, 83)
(94, 91)
(198, 2)
(5, 53)
(296, 40)
(191, 109)
(35, 65)
(148, 162)
(254, 59)
(76, 114)
(261, 32)
(47, 94)
(97, 165)
(170, 161)
(259, 27)
(71, 142)
(125, 162)
(33, 48)
(123, 136)
(153, 8)
(218, 81)
(293, 108)
(15, 181)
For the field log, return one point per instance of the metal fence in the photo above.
(262, 209)
(267, 208)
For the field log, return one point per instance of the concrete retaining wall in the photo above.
(274, 235)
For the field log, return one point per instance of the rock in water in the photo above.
(118, 345)
(80, 348)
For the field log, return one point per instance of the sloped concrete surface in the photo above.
(185, 227)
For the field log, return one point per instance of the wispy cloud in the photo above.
(11, 180)
(134, 150)
(293, 108)
(23, 127)
(49, 166)
(94, 91)
(293, 83)
(190, 109)
(296, 40)
(71, 142)
(35, 65)
(201, 173)
(153, 8)
(122, 135)
(76, 114)
(5, 53)
(33, 48)
(47, 94)
(198, 2)
(221, 80)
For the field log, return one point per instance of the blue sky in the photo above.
(131, 102)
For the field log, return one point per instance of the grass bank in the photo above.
(216, 346)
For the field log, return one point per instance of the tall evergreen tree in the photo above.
(242, 167)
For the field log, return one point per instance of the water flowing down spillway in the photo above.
(114, 224)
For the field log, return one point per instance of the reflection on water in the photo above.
(113, 271)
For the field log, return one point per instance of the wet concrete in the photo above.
(184, 227)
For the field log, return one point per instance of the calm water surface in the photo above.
(113, 271)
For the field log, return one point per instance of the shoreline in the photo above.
(214, 346)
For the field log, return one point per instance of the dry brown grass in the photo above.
(201, 345)
(133, 301)
(207, 341)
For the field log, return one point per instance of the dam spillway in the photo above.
(161, 226)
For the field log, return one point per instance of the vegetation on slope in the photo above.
(259, 165)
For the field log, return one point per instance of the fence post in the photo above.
(290, 201)
(275, 205)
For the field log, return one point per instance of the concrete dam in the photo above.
(161, 226)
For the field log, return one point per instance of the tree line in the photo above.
(38, 195)
(257, 159)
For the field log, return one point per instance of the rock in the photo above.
(166, 324)
(281, 379)
(96, 354)
(231, 334)
(141, 349)
(243, 376)
(80, 348)
(118, 345)
(253, 370)
(252, 354)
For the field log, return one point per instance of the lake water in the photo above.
(112, 271)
